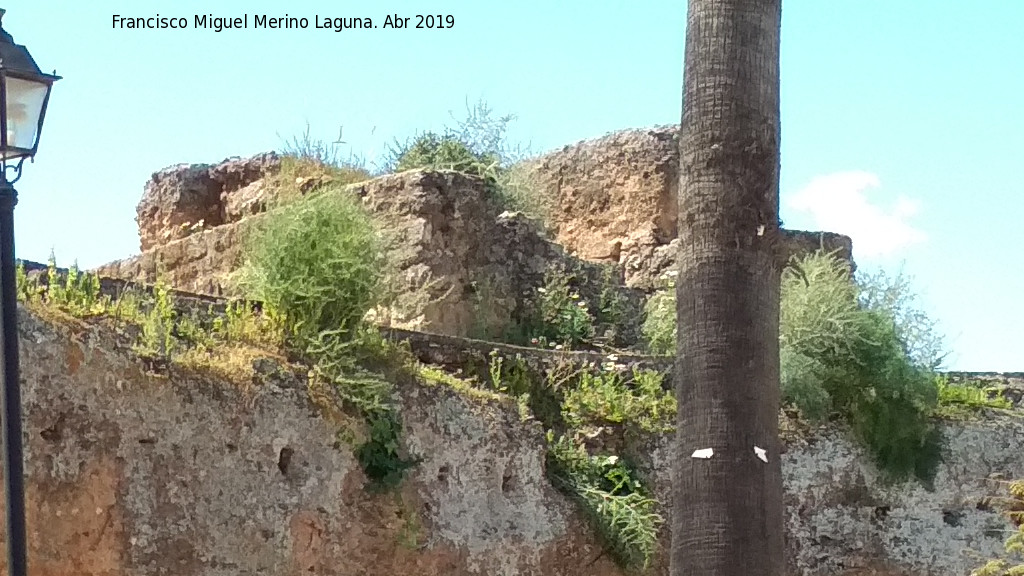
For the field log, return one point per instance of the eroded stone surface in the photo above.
(842, 519)
(133, 473)
(182, 200)
(464, 266)
(615, 200)
(614, 193)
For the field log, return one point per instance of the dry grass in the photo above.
(230, 362)
(299, 177)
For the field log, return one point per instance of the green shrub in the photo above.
(379, 455)
(446, 152)
(841, 355)
(609, 398)
(319, 263)
(919, 334)
(844, 351)
(477, 144)
(565, 317)
(659, 327)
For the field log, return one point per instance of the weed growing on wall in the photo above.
(966, 400)
(309, 164)
(158, 330)
(611, 307)
(243, 324)
(616, 502)
(608, 397)
(77, 293)
(477, 144)
(565, 318)
(310, 150)
(446, 152)
(559, 316)
(379, 455)
(539, 395)
(570, 401)
(74, 293)
(158, 325)
(659, 327)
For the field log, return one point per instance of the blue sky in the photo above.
(902, 120)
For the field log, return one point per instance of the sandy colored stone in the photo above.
(463, 266)
(620, 188)
(614, 199)
(184, 199)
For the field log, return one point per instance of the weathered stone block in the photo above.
(181, 200)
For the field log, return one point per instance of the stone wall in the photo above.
(136, 473)
(615, 200)
(463, 266)
(841, 518)
(184, 199)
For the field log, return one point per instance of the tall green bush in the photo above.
(856, 351)
(893, 296)
(843, 355)
(319, 262)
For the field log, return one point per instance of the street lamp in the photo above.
(24, 92)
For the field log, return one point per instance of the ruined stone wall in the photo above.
(463, 266)
(184, 199)
(615, 199)
(136, 473)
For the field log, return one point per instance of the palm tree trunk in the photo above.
(727, 517)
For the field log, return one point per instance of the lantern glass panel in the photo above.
(24, 105)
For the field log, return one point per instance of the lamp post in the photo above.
(24, 92)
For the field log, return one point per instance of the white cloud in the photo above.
(838, 203)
